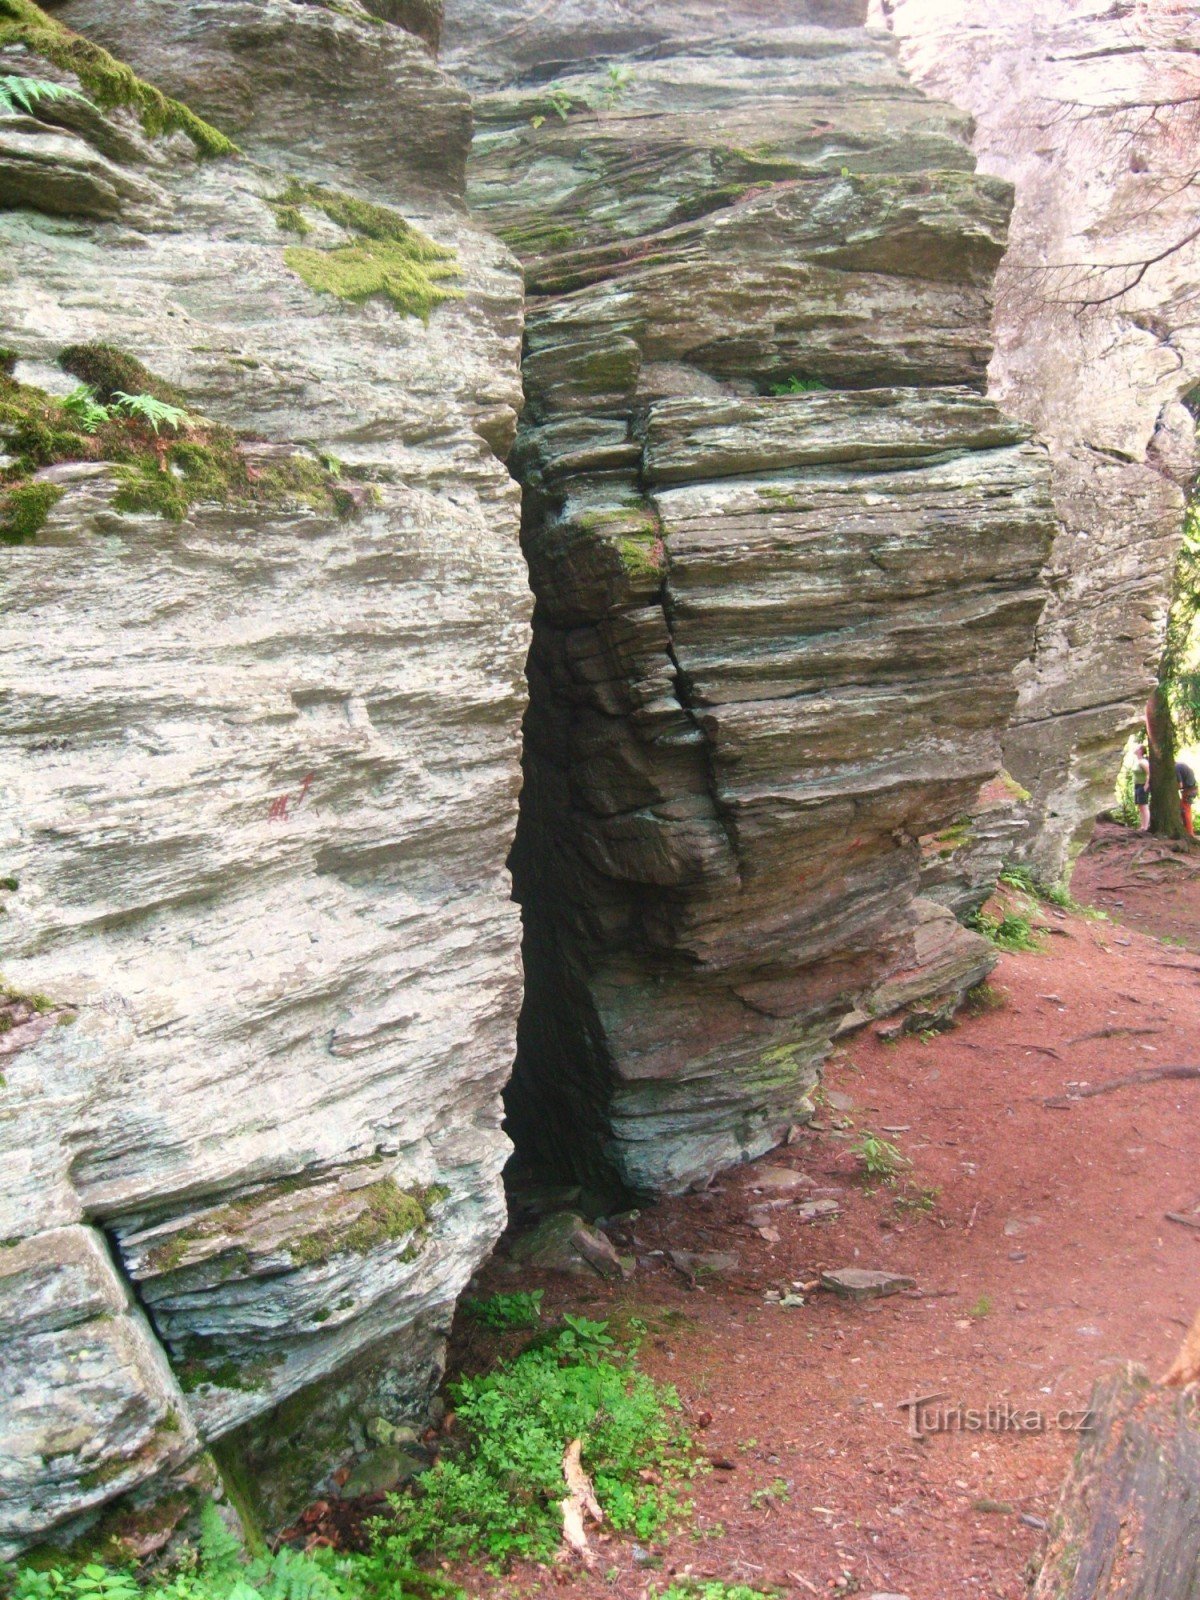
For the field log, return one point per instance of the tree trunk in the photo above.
(1166, 818)
(1128, 1524)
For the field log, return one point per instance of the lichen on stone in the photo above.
(109, 82)
(386, 254)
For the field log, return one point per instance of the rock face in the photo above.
(784, 553)
(1074, 106)
(260, 772)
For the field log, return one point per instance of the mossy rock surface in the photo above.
(109, 82)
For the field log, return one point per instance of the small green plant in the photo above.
(154, 413)
(919, 1200)
(558, 102)
(1011, 932)
(507, 1311)
(798, 385)
(82, 406)
(983, 1307)
(583, 1337)
(26, 94)
(777, 1493)
(880, 1159)
(616, 84)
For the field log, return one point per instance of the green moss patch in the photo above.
(386, 255)
(110, 371)
(109, 82)
(24, 510)
(387, 1213)
(156, 472)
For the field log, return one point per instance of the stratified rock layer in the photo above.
(775, 631)
(259, 779)
(1091, 111)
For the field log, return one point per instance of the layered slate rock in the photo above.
(260, 770)
(775, 632)
(1090, 112)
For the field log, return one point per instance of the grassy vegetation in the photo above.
(109, 82)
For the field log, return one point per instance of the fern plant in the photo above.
(84, 410)
(23, 95)
(155, 413)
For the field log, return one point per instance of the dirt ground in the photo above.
(1045, 1256)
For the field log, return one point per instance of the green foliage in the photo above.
(23, 510)
(558, 102)
(8, 361)
(617, 83)
(1010, 932)
(881, 1159)
(798, 385)
(776, 1493)
(109, 82)
(983, 1307)
(386, 255)
(522, 1309)
(154, 413)
(496, 1495)
(84, 409)
(26, 94)
(219, 1570)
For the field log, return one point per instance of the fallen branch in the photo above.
(1184, 1222)
(1128, 1080)
(580, 1500)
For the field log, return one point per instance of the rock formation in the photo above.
(784, 553)
(1085, 110)
(260, 764)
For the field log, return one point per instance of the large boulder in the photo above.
(785, 556)
(260, 769)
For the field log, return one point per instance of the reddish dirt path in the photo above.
(1045, 1259)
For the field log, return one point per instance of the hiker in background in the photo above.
(1186, 779)
(1141, 787)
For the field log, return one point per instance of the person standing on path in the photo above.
(1186, 779)
(1141, 787)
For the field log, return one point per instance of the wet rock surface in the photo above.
(775, 631)
(259, 781)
